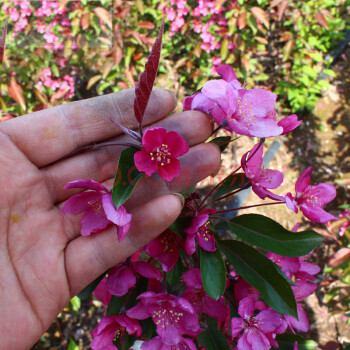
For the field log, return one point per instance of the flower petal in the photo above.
(86, 184)
(170, 170)
(120, 279)
(177, 146)
(303, 181)
(206, 241)
(237, 325)
(268, 178)
(290, 202)
(144, 163)
(153, 138)
(80, 202)
(316, 214)
(119, 216)
(246, 307)
(146, 270)
(289, 123)
(93, 221)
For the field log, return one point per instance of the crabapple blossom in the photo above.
(173, 316)
(160, 152)
(260, 178)
(111, 327)
(311, 199)
(200, 228)
(98, 208)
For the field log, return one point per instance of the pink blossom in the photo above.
(289, 123)
(158, 344)
(311, 199)
(246, 112)
(160, 152)
(111, 327)
(255, 328)
(260, 178)
(173, 316)
(99, 210)
(166, 248)
(122, 277)
(199, 299)
(200, 228)
(244, 289)
(101, 292)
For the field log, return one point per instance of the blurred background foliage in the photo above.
(58, 51)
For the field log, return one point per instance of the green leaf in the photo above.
(72, 345)
(286, 342)
(261, 273)
(233, 182)
(222, 142)
(116, 304)
(265, 233)
(213, 273)
(212, 339)
(86, 292)
(126, 178)
(75, 304)
(173, 277)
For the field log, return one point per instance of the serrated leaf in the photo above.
(266, 233)
(86, 292)
(126, 178)
(232, 183)
(144, 87)
(261, 273)
(222, 142)
(213, 273)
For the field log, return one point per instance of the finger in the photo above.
(102, 164)
(50, 134)
(88, 257)
(201, 161)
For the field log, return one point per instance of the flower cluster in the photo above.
(66, 85)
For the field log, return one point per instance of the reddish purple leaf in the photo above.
(144, 87)
(2, 41)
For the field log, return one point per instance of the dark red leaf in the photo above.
(339, 257)
(146, 25)
(144, 87)
(2, 41)
(282, 9)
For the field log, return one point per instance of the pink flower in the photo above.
(161, 148)
(158, 344)
(301, 291)
(289, 123)
(199, 299)
(172, 315)
(256, 328)
(311, 199)
(122, 276)
(97, 205)
(260, 178)
(247, 112)
(244, 289)
(101, 292)
(111, 327)
(166, 248)
(200, 228)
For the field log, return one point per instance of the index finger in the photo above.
(48, 135)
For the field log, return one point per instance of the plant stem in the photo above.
(247, 207)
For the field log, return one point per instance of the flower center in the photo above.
(166, 317)
(204, 231)
(161, 155)
(96, 206)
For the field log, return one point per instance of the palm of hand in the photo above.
(44, 260)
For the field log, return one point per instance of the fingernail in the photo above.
(181, 197)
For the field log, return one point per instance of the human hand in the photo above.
(44, 259)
